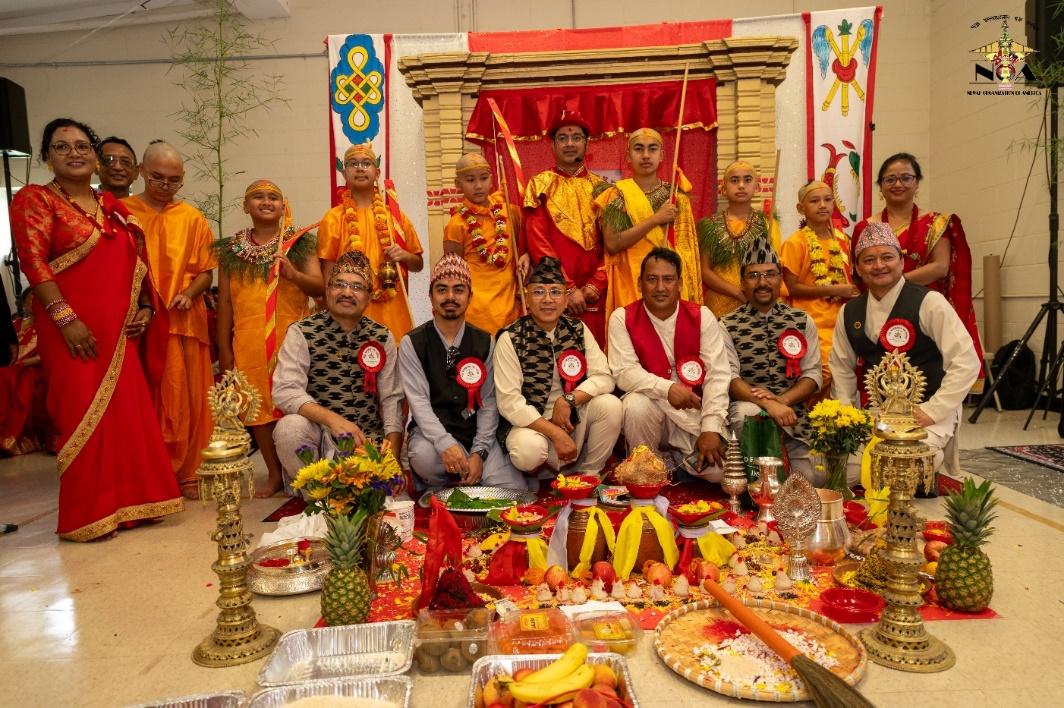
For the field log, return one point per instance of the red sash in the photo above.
(647, 344)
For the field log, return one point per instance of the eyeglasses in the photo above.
(755, 277)
(574, 138)
(110, 160)
(353, 287)
(173, 183)
(540, 293)
(891, 180)
(81, 148)
(360, 164)
(452, 359)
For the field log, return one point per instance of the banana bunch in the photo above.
(557, 682)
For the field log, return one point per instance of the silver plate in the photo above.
(292, 579)
(223, 699)
(521, 498)
(377, 649)
(396, 689)
(488, 666)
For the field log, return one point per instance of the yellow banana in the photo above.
(573, 657)
(539, 692)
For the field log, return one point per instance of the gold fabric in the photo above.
(568, 201)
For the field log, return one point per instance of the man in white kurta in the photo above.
(922, 322)
(668, 357)
(569, 425)
(765, 380)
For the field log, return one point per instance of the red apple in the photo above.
(933, 549)
(603, 570)
(555, 577)
(657, 574)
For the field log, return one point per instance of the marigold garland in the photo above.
(353, 237)
(826, 270)
(497, 252)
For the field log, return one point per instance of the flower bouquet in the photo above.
(838, 431)
(349, 489)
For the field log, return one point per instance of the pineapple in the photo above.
(345, 595)
(964, 580)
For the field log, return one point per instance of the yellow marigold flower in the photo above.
(315, 471)
(318, 493)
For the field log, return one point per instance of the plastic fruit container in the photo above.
(544, 631)
(608, 630)
(449, 641)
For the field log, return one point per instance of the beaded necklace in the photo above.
(95, 197)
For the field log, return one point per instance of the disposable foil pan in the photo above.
(394, 689)
(376, 649)
(223, 699)
(488, 666)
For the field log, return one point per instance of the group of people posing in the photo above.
(590, 311)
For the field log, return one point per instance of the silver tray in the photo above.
(376, 649)
(396, 689)
(488, 666)
(292, 579)
(520, 498)
(224, 699)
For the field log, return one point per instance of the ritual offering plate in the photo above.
(575, 487)
(526, 518)
(697, 513)
(290, 567)
(615, 496)
(703, 643)
(489, 667)
(375, 649)
(851, 605)
(476, 500)
(387, 692)
(223, 699)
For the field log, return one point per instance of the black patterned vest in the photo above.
(447, 397)
(539, 359)
(334, 378)
(756, 339)
(924, 354)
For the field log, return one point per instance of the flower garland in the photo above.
(497, 252)
(353, 237)
(827, 271)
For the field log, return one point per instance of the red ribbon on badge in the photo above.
(371, 359)
(792, 346)
(690, 371)
(470, 374)
(572, 366)
(897, 335)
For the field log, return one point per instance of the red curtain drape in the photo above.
(612, 111)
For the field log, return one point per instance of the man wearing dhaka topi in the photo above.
(178, 240)
(560, 223)
(368, 220)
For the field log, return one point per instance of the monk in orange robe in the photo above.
(559, 222)
(252, 322)
(481, 231)
(178, 243)
(363, 222)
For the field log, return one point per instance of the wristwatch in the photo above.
(570, 399)
(483, 454)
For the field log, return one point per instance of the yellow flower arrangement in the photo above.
(838, 428)
(354, 479)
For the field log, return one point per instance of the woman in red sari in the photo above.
(81, 253)
(935, 251)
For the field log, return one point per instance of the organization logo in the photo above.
(1002, 64)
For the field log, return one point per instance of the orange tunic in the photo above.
(178, 243)
(334, 241)
(494, 303)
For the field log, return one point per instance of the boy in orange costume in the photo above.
(178, 243)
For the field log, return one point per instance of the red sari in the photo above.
(108, 476)
(918, 240)
(23, 418)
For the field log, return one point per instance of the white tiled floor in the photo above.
(112, 623)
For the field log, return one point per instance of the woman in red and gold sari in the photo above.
(80, 252)
(935, 250)
(23, 418)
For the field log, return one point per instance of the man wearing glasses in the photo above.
(117, 167)
(336, 374)
(553, 385)
(177, 239)
(667, 354)
(560, 223)
(446, 370)
(774, 354)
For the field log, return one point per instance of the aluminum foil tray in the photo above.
(376, 649)
(488, 666)
(291, 579)
(224, 699)
(513, 495)
(394, 689)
